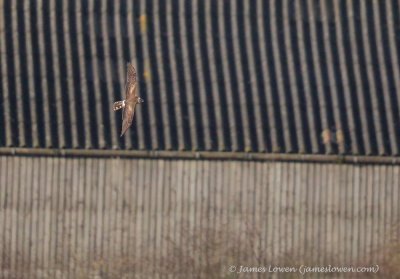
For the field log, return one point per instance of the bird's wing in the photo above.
(127, 116)
(130, 87)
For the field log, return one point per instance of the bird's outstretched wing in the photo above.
(127, 116)
(130, 87)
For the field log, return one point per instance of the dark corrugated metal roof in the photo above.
(259, 76)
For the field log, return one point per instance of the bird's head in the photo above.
(140, 100)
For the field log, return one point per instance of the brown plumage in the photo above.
(131, 99)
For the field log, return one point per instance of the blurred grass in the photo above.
(208, 252)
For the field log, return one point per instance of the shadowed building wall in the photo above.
(262, 76)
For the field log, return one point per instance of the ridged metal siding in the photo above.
(130, 218)
(262, 76)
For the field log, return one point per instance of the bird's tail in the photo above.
(118, 105)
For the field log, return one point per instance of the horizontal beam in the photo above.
(321, 158)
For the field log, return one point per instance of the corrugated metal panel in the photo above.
(82, 217)
(259, 76)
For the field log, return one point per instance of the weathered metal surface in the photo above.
(259, 76)
(74, 217)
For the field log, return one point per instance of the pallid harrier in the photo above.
(131, 99)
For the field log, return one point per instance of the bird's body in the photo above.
(131, 99)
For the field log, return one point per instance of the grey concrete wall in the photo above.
(88, 217)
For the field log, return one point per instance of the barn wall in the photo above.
(262, 76)
(88, 216)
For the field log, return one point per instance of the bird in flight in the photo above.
(131, 99)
